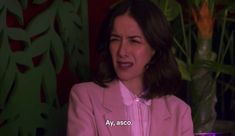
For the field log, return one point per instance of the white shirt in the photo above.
(137, 111)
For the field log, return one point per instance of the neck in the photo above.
(135, 86)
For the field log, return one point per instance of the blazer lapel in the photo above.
(159, 115)
(115, 110)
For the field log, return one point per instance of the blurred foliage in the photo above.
(29, 103)
(205, 52)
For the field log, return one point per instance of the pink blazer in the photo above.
(90, 107)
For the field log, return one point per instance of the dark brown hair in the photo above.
(161, 75)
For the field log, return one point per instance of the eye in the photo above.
(114, 39)
(135, 40)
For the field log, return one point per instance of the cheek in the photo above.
(145, 55)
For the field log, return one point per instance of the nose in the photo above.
(122, 50)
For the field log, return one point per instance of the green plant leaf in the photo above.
(226, 69)
(8, 130)
(24, 105)
(4, 53)
(216, 67)
(74, 33)
(23, 58)
(231, 7)
(21, 96)
(7, 81)
(1, 4)
(39, 1)
(55, 120)
(4, 59)
(180, 47)
(41, 23)
(48, 79)
(195, 2)
(2, 19)
(225, 3)
(40, 45)
(57, 51)
(228, 85)
(15, 8)
(24, 3)
(67, 16)
(76, 3)
(170, 8)
(18, 34)
(185, 74)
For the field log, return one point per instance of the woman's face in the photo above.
(129, 49)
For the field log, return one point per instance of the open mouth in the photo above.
(124, 65)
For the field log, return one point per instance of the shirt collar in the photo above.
(129, 97)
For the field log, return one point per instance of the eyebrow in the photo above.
(114, 35)
(135, 36)
(132, 37)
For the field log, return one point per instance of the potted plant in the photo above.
(203, 39)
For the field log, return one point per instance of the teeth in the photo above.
(124, 64)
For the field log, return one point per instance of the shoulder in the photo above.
(85, 88)
(176, 105)
(180, 112)
(175, 101)
(91, 89)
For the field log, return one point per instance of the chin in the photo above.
(124, 77)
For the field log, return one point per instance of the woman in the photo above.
(132, 91)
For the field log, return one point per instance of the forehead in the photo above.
(126, 24)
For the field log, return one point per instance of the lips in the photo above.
(124, 65)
